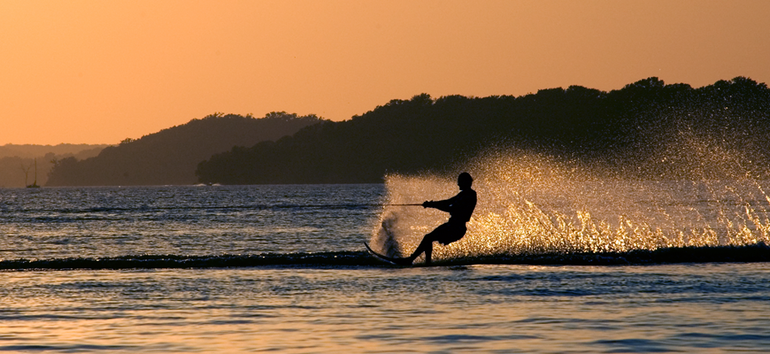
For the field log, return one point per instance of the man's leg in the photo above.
(444, 234)
(426, 245)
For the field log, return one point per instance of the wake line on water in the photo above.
(347, 259)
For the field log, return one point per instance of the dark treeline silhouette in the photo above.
(647, 129)
(170, 156)
(17, 162)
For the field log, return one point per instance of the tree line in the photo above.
(170, 156)
(647, 130)
(18, 162)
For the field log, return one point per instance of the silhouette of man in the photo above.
(459, 207)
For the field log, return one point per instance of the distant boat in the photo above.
(34, 184)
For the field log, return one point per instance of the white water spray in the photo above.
(533, 204)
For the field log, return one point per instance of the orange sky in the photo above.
(102, 71)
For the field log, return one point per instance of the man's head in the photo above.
(464, 181)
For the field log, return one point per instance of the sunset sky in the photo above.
(102, 71)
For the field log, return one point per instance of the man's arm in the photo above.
(443, 205)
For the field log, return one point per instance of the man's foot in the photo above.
(403, 261)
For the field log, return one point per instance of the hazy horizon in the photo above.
(98, 72)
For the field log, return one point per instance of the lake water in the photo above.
(283, 269)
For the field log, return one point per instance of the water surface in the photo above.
(358, 305)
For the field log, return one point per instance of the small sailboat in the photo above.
(34, 184)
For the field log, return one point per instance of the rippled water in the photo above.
(690, 308)
(332, 306)
(109, 221)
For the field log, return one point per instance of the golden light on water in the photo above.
(535, 204)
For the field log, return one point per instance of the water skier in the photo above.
(459, 207)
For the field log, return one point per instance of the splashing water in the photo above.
(533, 204)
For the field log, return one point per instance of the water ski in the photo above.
(391, 260)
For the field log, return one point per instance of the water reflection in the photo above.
(461, 309)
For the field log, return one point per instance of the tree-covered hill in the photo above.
(18, 162)
(170, 156)
(632, 132)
